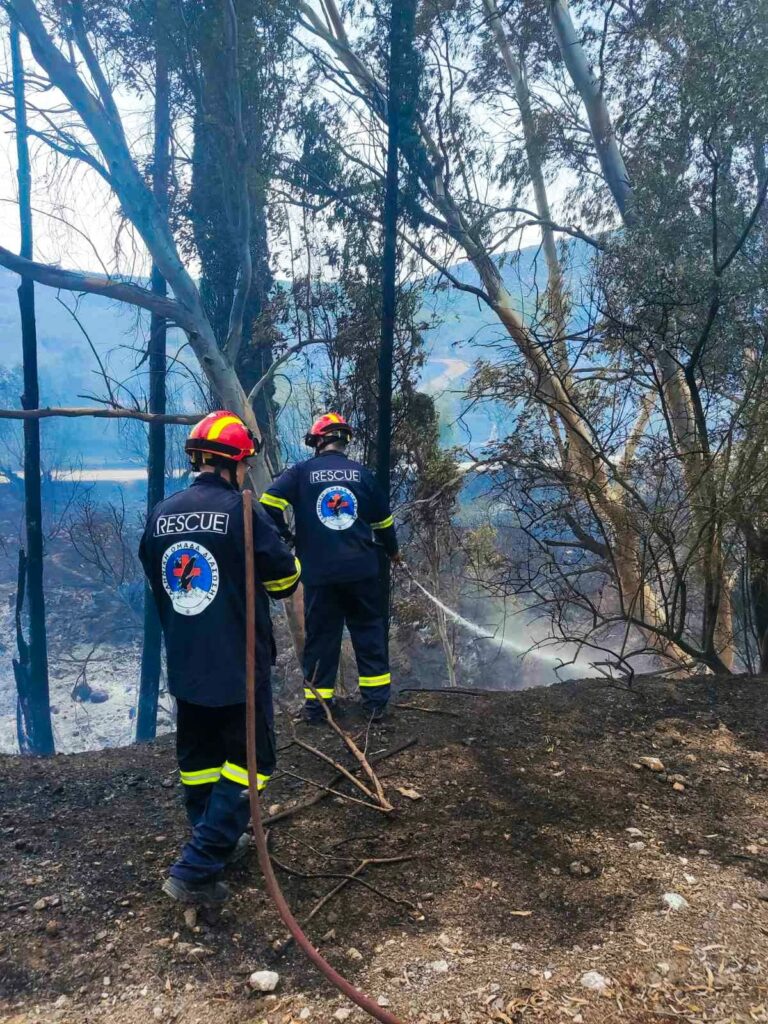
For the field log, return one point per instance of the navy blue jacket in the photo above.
(339, 509)
(193, 554)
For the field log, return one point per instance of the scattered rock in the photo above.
(675, 901)
(61, 1001)
(305, 1014)
(678, 787)
(595, 981)
(383, 1001)
(40, 904)
(264, 981)
(342, 1013)
(636, 833)
(354, 954)
(274, 809)
(639, 845)
(52, 929)
(439, 966)
(762, 894)
(158, 1012)
(97, 696)
(190, 917)
(653, 764)
(579, 869)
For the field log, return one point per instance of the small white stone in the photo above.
(264, 981)
(639, 845)
(636, 833)
(439, 966)
(305, 1014)
(354, 954)
(158, 1013)
(383, 1001)
(595, 981)
(342, 1013)
(675, 901)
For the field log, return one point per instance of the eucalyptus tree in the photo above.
(650, 120)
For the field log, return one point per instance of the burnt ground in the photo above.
(524, 878)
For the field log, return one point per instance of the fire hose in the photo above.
(272, 886)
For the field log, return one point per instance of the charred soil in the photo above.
(555, 875)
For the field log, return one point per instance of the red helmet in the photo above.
(330, 427)
(224, 434)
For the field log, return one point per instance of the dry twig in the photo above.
(355, 751)
(323, 794)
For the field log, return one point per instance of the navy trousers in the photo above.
(327, 609)
(213, 766)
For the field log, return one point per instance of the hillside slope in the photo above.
(542, 850)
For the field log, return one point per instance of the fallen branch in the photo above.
(332, 792)
(342, 771)
(354, 750)
(345, 880)
(323, 794)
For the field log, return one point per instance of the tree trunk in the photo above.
(32, 677)
(557, 307)
(149, 686)
(611, 161)
(758, 589)
(402, 16)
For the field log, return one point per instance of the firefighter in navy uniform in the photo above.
(193, 555)
(342, 519)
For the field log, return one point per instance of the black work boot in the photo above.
(314, 714)
(374, 712)
(196, 894)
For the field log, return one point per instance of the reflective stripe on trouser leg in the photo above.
(235, 773)
(197, 788)
(201, 777)
(375, 689)
(325, 692)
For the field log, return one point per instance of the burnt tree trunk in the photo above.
(399, 99)
(149, 686)
(31, 670)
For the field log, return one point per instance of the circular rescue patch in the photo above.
(190, 577)
(337, 508)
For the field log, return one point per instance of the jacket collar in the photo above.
(212, 480)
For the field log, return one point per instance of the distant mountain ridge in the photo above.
(465, 330)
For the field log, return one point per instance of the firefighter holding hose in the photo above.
(342, 520)
(193, 555)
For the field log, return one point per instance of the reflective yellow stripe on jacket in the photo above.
(389, 521)
(278, 586)
(273, 501)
